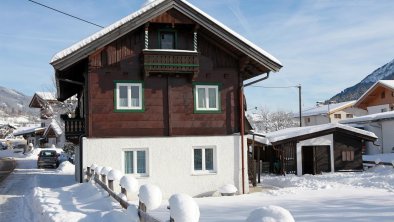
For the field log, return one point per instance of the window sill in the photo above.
(129, 110)
(137, 176)
(207, 111)
(203, 173)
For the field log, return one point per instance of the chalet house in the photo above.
(52, 133)
(330, 113)
(378, 100)
(330, 147)
(32, 134)
(161, 97)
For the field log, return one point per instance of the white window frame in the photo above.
(130, 106)
(135, 161)
(207, 87)
(204, 171)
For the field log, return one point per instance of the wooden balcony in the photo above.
(170, 61)
(74, 128)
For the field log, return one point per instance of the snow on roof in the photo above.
(46, 95)
(319, 110)
(288, 133)
(26, 130)
(369, 118)
(56, 128)
(144, 9)
(387, 83)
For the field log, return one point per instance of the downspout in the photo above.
(242, 114)
(80, 158)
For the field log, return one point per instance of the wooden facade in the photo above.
(378, 94)
(345, 144)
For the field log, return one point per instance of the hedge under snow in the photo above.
(151, 196)
(129, 183)
(270, 213)
(183, 208)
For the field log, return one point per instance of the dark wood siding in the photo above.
(347, 143)
(168, 98)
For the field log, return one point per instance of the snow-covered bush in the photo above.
(132, 213)
(183, 208)
(105, 170)
(151, 196)
(270, 214)
(129, 183)
(228, 189)
(114, 175)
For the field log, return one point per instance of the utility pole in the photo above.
(299, 103)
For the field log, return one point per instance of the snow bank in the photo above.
(105, 170)
(151, 196)
(183, 208)
(386, 157)
(115, 175)
(228, 189)
(129, 183)
(270, 214)
(66, 167)
(132, 212)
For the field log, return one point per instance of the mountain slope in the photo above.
(354, 92)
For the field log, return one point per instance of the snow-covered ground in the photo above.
(31, 194)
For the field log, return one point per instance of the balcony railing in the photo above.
(171, 61)
(74, 127)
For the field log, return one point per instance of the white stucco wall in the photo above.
(374, 148)
(378, 109)
(318, 141)
(388, 136)
(170, 162)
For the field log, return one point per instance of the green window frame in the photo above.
(168, 31)
(135, 161)
(129, 96)
(207, 98)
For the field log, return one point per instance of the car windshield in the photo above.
(48, 153)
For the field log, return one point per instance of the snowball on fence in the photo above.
(228, 189)
(132, 213)
(98, 169)
(183, 208)
(270, 214)
(151, 196)
(115, 175)
(105, 170)
(93, 166)
(129, 183)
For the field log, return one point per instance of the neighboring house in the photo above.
(32, 134)
(330, 113)
(378, 98)
(328, 147)
(382, 124)
(160, 97)
(53, 133)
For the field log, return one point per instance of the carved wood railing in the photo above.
(170, 61)
(74, 127)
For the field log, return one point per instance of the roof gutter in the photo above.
(242, 112)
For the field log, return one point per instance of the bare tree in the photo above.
(263, 120)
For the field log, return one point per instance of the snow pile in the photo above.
(132, 213)
(129, 183)
(270, 214)
(386, 158)
(151, 196)
(105, 170)
(183, 208)
(66, 167)
(228, 189)
(115, 175)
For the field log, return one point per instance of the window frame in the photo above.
(347, 155)
(135, 161)
(203, 160)
(217, 87)
(337, 115)
(129, 84)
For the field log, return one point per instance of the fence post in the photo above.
(104, 179)
(88, 172)
(124, 191)
(111, 184)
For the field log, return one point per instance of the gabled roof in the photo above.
(82, 49)
(389, 84)
(27, 130)
(39, 97)
(54, 126)
(324, 109)
(304, 133)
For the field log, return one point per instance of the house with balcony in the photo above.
(160, 97)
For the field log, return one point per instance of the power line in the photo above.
(64, 13)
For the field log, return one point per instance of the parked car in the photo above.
(48, 158)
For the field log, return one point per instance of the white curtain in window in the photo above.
(123, 101)
(201, 98)
(212, 97)
(135, 96)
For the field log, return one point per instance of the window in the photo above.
(383, 95)
(338, 116)
(128, 96)
(347, 155)
(207, 98)
(349, 115)
(167, 40)
(136, 161)
(308, 120)
(204, 159)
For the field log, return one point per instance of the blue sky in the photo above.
(324, 45)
